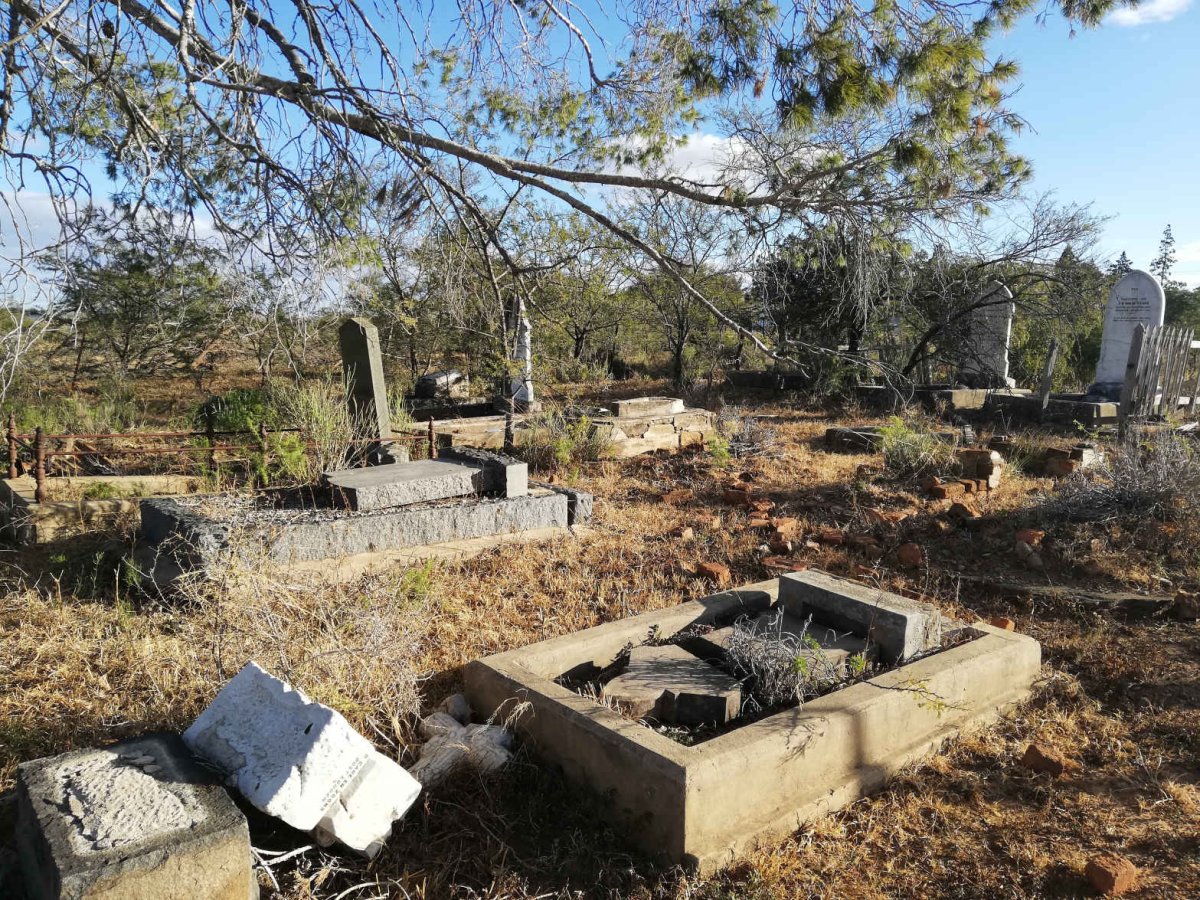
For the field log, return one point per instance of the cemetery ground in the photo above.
(86, 660)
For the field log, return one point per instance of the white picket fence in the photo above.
(1163, 365)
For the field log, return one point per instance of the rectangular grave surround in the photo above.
(206, 531)
(702, 805)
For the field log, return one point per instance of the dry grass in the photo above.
(1121, 698)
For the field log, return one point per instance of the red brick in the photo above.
(736, 496)
(963, 511)
(678, 496)
(1003, 623)
(1060, 468)
(1030, 536)
(910, 555)
(968, 484)
(1040, 758)
(784, 564)
(832, 538)
(1111, 874)
(758, 522)
(718, 573)
(786, 527)
(947, 490)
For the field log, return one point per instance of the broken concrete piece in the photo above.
(301, 761)
(402, 484)
(457, 706)
(136, 820)
(671, 685)
(452, 746)
(901, 628)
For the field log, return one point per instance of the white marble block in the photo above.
(301, 761)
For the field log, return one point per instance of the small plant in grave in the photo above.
(779, 667)
(910, 451)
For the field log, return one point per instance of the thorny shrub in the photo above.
(1152, 476)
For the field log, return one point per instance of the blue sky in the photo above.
(1115, 121)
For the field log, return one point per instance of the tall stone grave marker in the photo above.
(1137, 299)
(986, 362)
(362, 366)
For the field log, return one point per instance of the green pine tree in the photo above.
(1162, 264)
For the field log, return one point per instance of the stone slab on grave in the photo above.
(900, 627)
(1137, 299)
(701, 804)
(301, 762)
(401, 484)
(503, 475)
(135, 820)
(673, 686)
(647, 406)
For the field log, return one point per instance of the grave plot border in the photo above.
(700, 806)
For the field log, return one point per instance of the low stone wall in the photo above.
(634, 435)
(1063, 409)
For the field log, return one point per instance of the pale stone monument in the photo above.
(990, 331)
(300, 761)
(362, 366)
(1137, 299)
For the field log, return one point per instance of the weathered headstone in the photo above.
(362, 367)
(1137, 299)
(138, 819)
(671, 685)
(985, 364)
(301, 761)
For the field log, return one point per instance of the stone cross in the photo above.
(986, 363)
(1137, 299)
(362, 366)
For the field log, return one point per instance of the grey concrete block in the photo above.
(503, 475)
(579, 503)
(136, 821)
(402, 484)
(900, 627)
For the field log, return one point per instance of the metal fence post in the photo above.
(39, 465)
(12, 445)
(432, 442)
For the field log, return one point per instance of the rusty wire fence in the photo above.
(43, 454)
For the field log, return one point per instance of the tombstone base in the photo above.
(1104, 392)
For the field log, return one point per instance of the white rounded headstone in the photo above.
(1137, 299)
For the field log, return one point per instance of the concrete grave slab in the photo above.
(702, 805)
(301, 762)
(648, 406)
(673, 686)
(402, 484)
(900, 627)
(135, 821)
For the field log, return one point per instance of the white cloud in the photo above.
(1149, 13)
